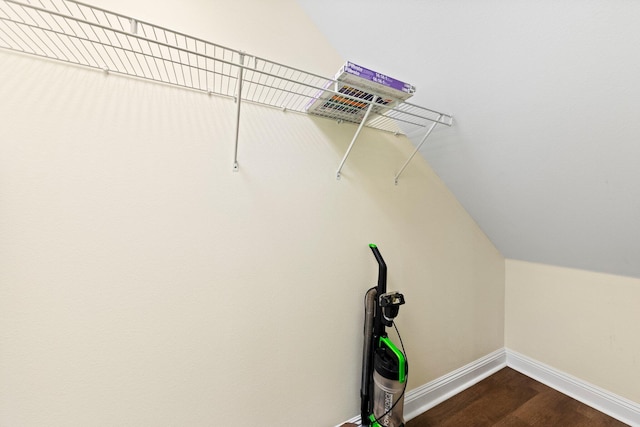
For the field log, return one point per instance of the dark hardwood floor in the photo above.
(509, 398)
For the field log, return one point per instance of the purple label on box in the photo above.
(376, 77)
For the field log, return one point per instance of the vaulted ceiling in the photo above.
(545, 148)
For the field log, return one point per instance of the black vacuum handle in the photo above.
(378, 320)
(382, 270)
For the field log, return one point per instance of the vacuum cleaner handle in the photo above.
(382, 270)
(378, 320)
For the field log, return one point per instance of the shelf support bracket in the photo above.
(424, 138)
(353, 141)
(236, 167)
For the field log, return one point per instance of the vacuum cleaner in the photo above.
(384, 365)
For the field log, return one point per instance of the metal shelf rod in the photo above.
(450, 121)
(424, 138)
(238, 103)
(344, 159)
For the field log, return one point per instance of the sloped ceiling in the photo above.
(545, 149)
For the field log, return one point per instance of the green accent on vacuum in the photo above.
(372, 245)
(374, 423)
(402, 375)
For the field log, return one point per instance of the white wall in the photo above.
(144, 283)
(583, 323)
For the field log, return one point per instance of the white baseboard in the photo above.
(429, 395)
(604, 401)
(437, 391)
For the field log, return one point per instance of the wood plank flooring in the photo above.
(509, 398)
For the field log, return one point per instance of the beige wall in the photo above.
(583, 323)
(144, 283)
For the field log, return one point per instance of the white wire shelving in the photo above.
(77, 33)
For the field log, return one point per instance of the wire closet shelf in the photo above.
(77, 33)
